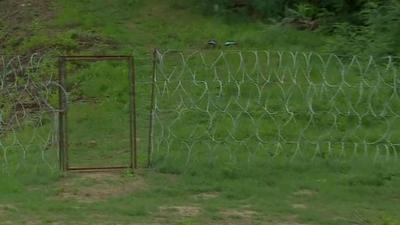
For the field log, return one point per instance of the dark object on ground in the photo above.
(230, 43)
(213, 43)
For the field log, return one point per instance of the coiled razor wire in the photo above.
(225, 106)
(251, 105)
(28, 97)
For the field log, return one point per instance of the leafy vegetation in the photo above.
(376, 35)
(280, 9)
(362, 27)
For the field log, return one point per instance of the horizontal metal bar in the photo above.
(97, 168)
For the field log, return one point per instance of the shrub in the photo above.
(377, 35)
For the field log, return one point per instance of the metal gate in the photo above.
(64, 143)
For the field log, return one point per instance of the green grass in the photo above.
(277, 192)
(225, 190)
(99, 115)
(141, 25)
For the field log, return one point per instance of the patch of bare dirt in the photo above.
(238, 216)
(93, 187)
(19, 11)
(299, 206)
(206, 195)
(4, 208)
(305, 193)
(175, 214)
(20, 18)
(291, 220)
(182, 211)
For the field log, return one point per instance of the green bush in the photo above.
(377, 35)
(275, 9)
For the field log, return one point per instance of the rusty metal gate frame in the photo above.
(63, 105)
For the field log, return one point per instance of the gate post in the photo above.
(152, 102)
(132, 77)
(62, 114)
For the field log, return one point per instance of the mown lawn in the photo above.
(354, 192)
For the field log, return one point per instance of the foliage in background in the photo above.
(278, 8)
(362, 27)
(377, 35)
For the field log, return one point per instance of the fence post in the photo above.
(152, 101)
(132, 76)
(62, 115)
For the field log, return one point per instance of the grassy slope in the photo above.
(143, 25)
(273, 193)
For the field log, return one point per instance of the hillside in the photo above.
(75, 26)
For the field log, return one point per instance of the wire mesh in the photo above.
(28, 99)
(230, 106)
(221, 107)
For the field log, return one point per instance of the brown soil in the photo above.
(4, 210)
(176, 214)
(299, 206)
(18, 18)
(206, 195)
(181, 211)
(92, 187)
(305, 193)
(238, 216)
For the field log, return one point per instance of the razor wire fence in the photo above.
(230, 106)
(28, 114)
(220, 107)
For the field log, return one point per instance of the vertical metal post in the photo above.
(132, 77)
(150, 145)
(62, 115)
